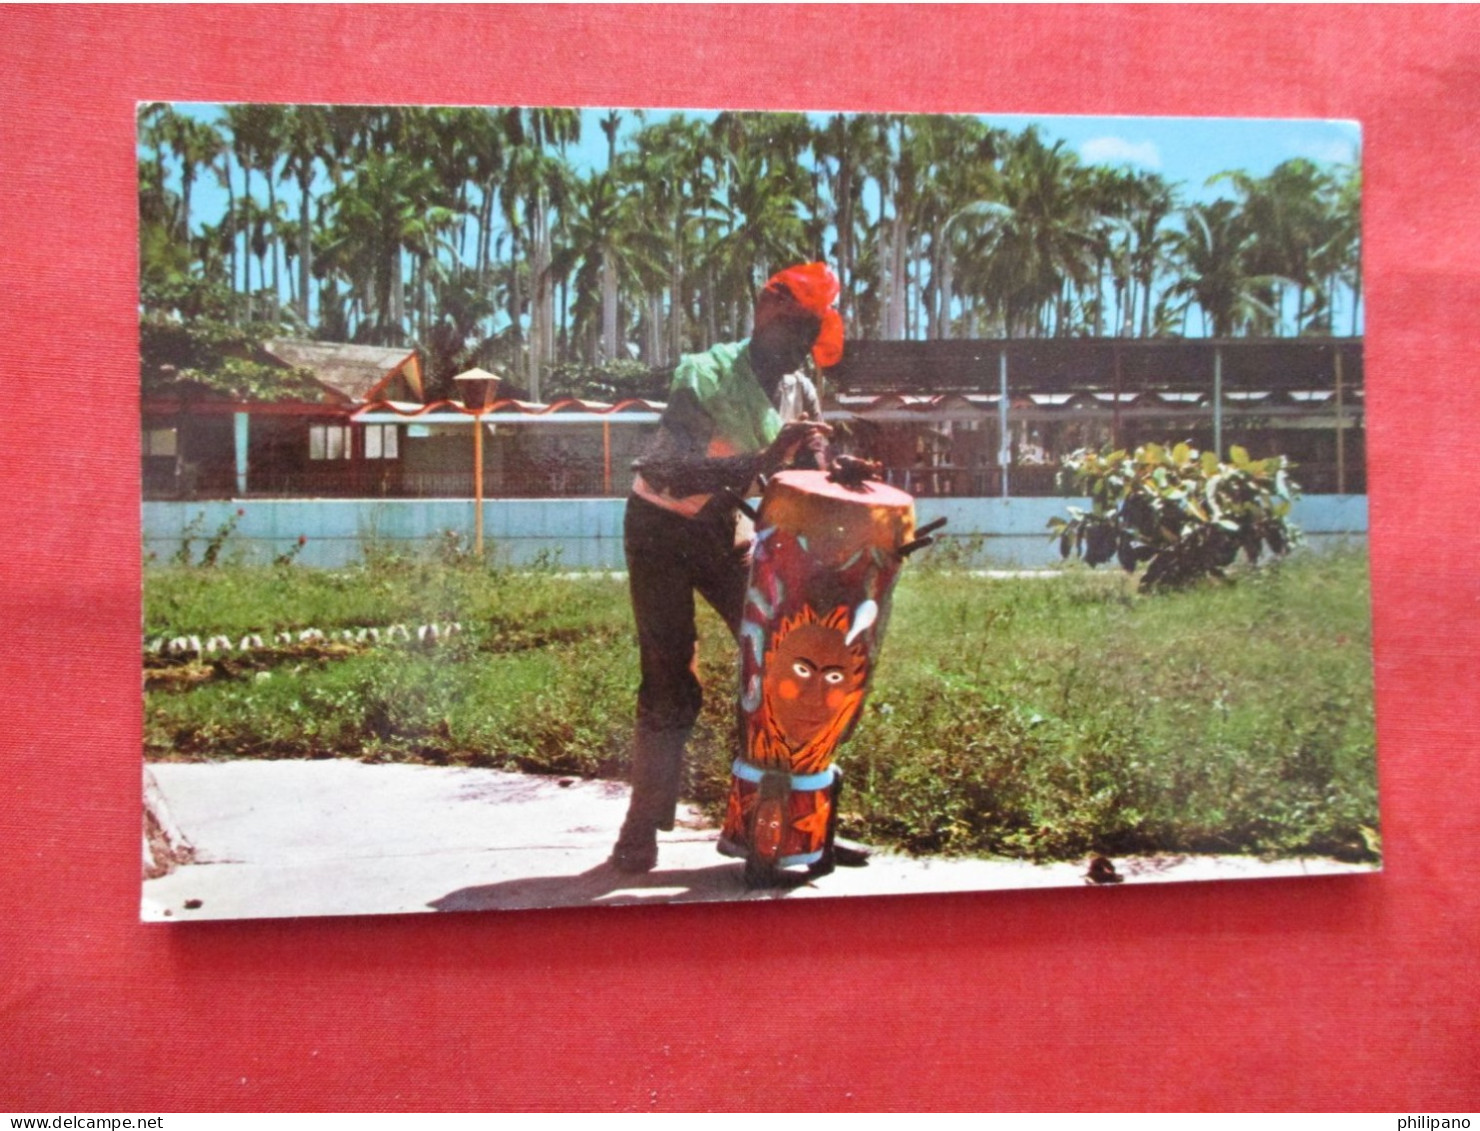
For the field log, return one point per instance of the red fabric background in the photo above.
(1339, 993)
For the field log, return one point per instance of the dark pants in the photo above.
(669, 559)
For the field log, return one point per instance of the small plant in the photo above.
(217, 541)
(451, 549)
(1181, 512)
(288, 556)
(184, 554)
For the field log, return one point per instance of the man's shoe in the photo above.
(636, 850)
(634, 860)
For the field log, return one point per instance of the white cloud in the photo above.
(1120, 151)
(1333, 150)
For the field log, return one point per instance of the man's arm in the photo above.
(676, 460)
(814, 453)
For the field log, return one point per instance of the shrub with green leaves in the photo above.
(1183, 513)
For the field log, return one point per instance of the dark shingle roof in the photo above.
(351, 371)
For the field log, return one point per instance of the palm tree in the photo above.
(251, 128)
(196, 146)
(163, 260)
(1112, 191)
(381, 213)
(590, 247)
(156, 123)
(1290, 216)
(953, 163)
(452, 340)
(539, 181)
(1340, 259)
(1026, 265)
(609, 124)
(487, 137)
(887, 230)
(1148, 205)
(1211, 257)
(305, 134)
(844, 148)
(668, 170)
(761, 206)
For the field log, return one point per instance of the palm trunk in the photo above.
(187, 181)
(608, 304)
(247, 238)
(711, 315)
(485, 233)
(845, 235)
(305, 244)
(537, 305)
(655, 329)
(943, 324)
(899, 292)
(231, 225)
(675, 311)
(272, 239)
(516, 302)
(292, 276)
(395, 299)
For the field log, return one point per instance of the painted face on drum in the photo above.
(809, 679)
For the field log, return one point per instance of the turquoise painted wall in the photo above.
(587, 533)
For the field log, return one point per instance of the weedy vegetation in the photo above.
(1039, 718)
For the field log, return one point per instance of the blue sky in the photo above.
(1192, 150)
(1185, 150)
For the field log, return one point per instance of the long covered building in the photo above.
(946, 418)
(993, 417)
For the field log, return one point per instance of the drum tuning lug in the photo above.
(930, 527)
(738, 500)
(918, 544)
(922, 537)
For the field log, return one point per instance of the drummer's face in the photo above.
(809, 680)
(781, 346)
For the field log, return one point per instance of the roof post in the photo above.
(1218, 400)
(1004, 446)
(239, 434)
(1340, 429)
(606, 457)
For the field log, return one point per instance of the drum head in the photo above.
(838, 520)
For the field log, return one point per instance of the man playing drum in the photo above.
(736, 412)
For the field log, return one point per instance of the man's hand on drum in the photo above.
(851, 471)
(793, 436)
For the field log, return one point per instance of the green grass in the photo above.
(1034, 718)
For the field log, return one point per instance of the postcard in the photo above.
(552, 507)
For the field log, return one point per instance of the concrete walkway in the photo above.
(274, 839)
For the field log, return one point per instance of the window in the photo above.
(161, 442)
(381, 441)
(328, 441)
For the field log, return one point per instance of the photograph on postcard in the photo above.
(527, 493)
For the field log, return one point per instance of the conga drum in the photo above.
(825, 559)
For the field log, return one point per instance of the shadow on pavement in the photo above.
(602, 884)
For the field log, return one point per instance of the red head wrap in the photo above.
(806, 289)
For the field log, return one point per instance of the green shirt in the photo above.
(726, 389)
